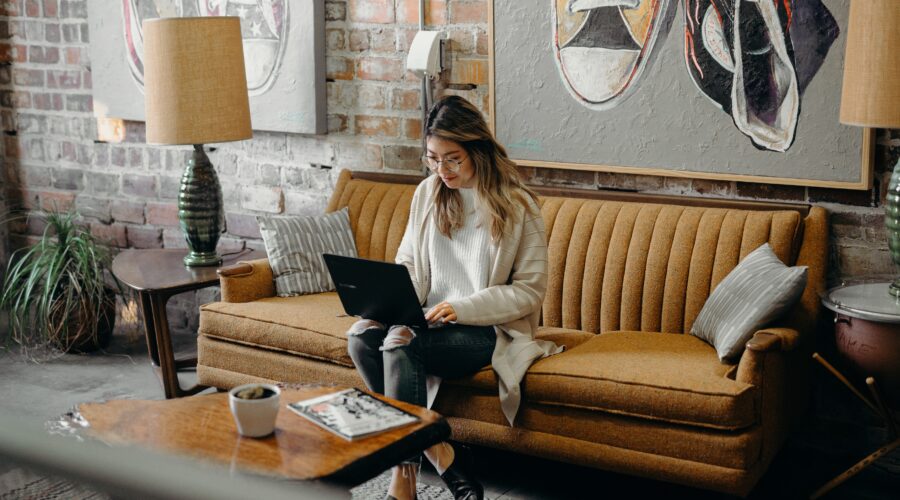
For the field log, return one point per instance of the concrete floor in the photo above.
(43, 391)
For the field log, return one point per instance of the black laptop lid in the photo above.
(376, 290)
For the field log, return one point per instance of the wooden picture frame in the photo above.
(862, 181)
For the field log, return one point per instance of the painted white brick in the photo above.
(304, 149)
(305, 203)
(262, 199)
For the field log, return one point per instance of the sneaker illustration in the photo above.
(264, 28)
(602, 47)
(739, 53)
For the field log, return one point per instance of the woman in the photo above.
(476, 251)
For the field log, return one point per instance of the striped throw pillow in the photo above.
(295, 246)
(755, 293)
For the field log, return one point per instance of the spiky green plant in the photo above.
(56, 292)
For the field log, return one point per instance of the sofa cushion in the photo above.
(313, 326)
(486, 379)
(295, 246)
(563, 336)
(759, 290)
(670, 377)
(464, 406)
(378, 214)
(621, 266)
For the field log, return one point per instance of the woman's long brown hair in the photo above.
(498, 186)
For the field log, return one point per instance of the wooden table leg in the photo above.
(168, 366)
(149, 327)
(186, 363)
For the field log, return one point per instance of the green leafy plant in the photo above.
(57, 291)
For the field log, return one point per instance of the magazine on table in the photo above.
(352, 413)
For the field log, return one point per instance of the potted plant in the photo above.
(57, 292)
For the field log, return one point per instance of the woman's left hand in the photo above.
(442, 313)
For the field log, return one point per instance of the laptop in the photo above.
(377, 290)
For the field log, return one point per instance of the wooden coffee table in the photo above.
(202, 427)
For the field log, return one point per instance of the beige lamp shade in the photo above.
(194, 81)
(871, 93)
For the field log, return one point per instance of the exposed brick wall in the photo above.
(126, 191)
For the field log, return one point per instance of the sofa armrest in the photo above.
(764, 342)
(774, 365)
(771, 339)
(247, 281)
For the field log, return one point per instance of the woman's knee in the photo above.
(398, 337)
(364, 325)
(364, 338)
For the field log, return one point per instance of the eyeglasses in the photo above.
(450, 164)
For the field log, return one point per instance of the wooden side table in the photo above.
(867, 331)
(156, 275)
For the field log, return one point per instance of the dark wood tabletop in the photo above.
(163, 269)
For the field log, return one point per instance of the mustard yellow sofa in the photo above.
(633, 393)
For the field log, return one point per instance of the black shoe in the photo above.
(459, 477)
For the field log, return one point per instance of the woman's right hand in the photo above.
(443, 313)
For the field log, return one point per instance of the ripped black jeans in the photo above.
(394, 361)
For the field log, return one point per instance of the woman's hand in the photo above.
(442, 313)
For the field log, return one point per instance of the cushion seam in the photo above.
(531, 374)
(272, 348)
(640, 415)
(249, 318)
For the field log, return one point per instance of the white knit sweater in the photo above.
(461, 264)
(512, 300)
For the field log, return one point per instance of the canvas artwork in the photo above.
(739, 89)
(283, 57)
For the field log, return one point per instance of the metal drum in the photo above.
(867, 333)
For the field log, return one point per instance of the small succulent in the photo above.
(256, 392)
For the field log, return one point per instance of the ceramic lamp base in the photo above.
(194, 259)
(892, 222)
(200, 210)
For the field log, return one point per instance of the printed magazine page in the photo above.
(352, 413)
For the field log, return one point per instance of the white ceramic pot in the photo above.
(255, 417)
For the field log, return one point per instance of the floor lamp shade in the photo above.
(871, 91)
(195, 82)
(870, 96)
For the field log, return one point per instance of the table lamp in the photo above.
(870, 95)
(196, 93)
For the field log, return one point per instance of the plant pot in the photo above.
(85, 332)
(255, 417)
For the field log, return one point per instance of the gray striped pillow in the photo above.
(295, 246)
(756, 292)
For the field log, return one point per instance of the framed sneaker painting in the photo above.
(284, 56)
(741, 90)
